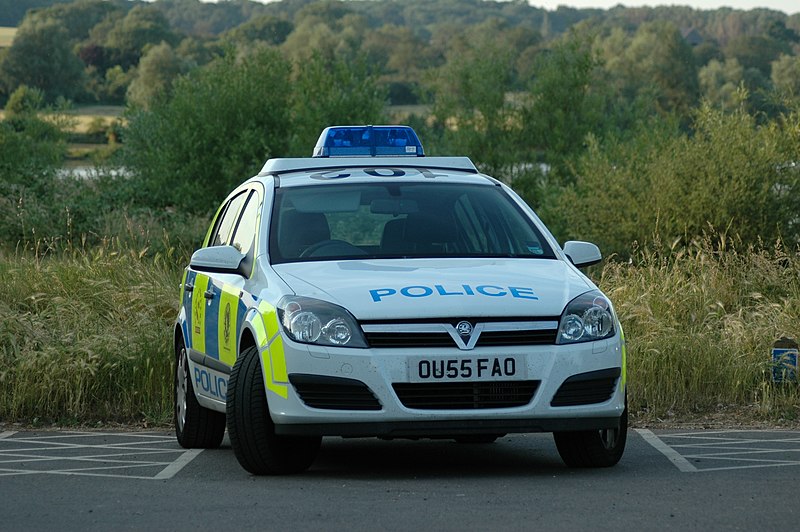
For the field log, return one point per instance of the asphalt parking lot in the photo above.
(700, 479)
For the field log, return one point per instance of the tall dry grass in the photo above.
(700, 321)
(85, 336)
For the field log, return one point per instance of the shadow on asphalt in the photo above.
(404, 459)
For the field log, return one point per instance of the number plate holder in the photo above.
(472, 368)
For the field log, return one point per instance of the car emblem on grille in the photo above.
(464, 328)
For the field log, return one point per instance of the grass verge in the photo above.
(700, 323)
(85, 336)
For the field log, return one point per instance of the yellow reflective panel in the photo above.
(270, 316)
(227, 325)
(199, 313)
(280, 389)
(261, 333)
(278, 360)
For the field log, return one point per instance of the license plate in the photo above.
(446, 369)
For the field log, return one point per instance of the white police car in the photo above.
(372, 291)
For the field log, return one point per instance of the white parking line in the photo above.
(672, 455)
(47, 449)
(747, 449)
(172, 469)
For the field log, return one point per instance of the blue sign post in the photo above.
(784, 360)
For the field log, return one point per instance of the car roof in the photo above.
(311, 171)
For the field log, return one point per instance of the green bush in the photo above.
(31, 151)
(731, 174)
(216, 129)
(222, 122)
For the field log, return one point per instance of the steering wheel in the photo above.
(330, 248)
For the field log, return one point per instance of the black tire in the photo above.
(251, 430)
(477, 438)
(593, 448)
(196, 427)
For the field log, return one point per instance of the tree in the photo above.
(265, 28)
(127, 37)
(31, 150)
(42, 57)
(402, 57)
(663, 66)
(471, 112)
(720, 83)
(786, 75)
(563, 106)
(78, 17)
(732, 174)
(154, 76)
(756, 51)
(326, 28)
(218, 126)
(328, 92)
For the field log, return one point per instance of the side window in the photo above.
(245, 234)
(222, 231)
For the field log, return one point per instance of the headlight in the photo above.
(311, 321)
(587, 318)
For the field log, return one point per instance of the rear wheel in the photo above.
(195, 425)
(251, 430)
(593, 448)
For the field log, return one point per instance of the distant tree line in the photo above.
(106, 51)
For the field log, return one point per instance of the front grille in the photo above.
(500, 338)
(465, 395)
(587, 388)
(395, 339)
(334, 393)
(442, 333)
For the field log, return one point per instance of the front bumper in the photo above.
(550, 366)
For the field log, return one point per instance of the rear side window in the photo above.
(244, 235)
(221, 233)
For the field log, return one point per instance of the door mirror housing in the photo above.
(582, 254)
(218, 259)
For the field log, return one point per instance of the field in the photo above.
(7, 36)
(92, 116)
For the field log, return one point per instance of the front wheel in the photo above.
(251, 430)
(593, 448)
(195, 425)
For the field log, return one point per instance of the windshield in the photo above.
(391, 220)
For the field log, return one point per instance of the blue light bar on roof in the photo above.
(368, 141)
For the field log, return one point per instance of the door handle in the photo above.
(209, 294)
(189, 287)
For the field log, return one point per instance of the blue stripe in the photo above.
(187, 308)
(212, 321)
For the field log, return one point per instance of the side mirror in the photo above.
(218, 259)
(582, 254)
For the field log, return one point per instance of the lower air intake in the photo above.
(587, 388)
(334, 393)
(465, 395)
